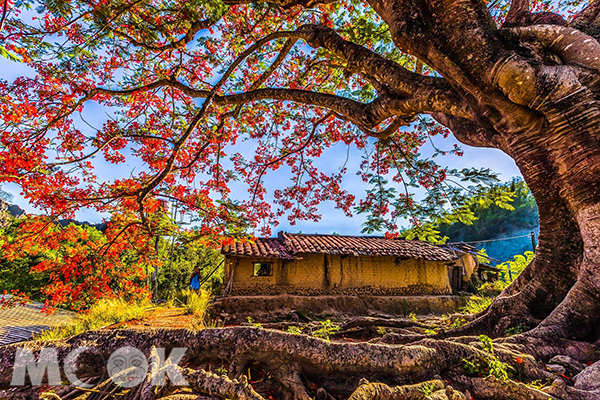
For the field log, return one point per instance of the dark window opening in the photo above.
(262, 269)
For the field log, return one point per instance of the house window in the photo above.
(262, 269)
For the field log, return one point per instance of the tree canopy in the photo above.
(208, 95)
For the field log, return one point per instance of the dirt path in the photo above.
(160, 317)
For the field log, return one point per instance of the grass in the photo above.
(103, 313)
(476, 304)
(194, 302)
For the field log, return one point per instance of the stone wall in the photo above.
(236, 309)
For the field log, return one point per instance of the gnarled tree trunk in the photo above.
(533, 93)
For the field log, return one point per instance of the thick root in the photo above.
(431, 390)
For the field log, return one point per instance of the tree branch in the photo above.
(196, 27)
(519, 15)
(282, 3)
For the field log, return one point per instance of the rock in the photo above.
(572, 366)
(589, 378)
(556, 369)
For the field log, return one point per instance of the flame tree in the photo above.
(189, 84)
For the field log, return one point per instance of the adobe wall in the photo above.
(318, 274)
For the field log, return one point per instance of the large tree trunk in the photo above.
(534, 94)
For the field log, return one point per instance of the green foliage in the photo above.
(252, 323)
(490, 367)
(498, 369)
(326, 329)
(516, 266)
(458, 322)
(103, 313)
(516, 330)
(470, 367)
(404, 306)
(294, 330)
(470, 205)
(494, 218)
(175, 276)
(382, 330)
(540, 384)
(486, 343)
(492, 289)
(9, 55)
(427, 388)
(477, 304)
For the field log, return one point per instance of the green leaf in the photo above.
(9, 55)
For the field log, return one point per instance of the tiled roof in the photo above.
(261, 248)
(289, 244)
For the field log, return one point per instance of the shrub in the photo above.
(103, 313)
(327, 328)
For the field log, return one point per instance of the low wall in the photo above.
(271, 290)
(234, 309)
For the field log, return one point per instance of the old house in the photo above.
(334, 264)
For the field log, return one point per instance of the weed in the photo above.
(413, 317)
(382, 330)
(477, 304)
(458, 322)
(103, 313)
(498, 369)
(470, 367)
(516, 330)
(430, 331)
(427, 388)
(327, 328)
(486, 343)
(404, 308)
(294, 330)
(252, 323)
(221, 371)
(540, 384)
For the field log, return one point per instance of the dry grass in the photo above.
(103, 313)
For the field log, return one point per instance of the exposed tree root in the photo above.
(299, 367)
(381, 391)
(491, 388)
(375, 322)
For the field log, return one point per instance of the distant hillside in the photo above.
(497, 223)
(15, 211)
